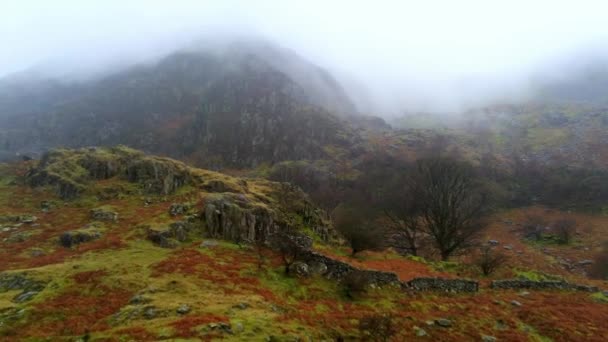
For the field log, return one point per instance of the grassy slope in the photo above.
(90, 286)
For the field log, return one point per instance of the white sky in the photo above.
(420, 47)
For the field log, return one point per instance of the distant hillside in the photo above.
(239, 105)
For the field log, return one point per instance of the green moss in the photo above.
(535, 275)
(600, 297)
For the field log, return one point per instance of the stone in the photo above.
(523, 294)
(317, 268)
(238, 327)
(420, 332)
(179, 209)
(102, 214)
(585, 262)
(225, 327)
(241, 306)
(183, 309)
(208, 244)
(429, 323)
(299, 269)
(487, 338)
(515, 303)
(446, 285)
(443, 322)
(25, 296)
(29, 219)
(37, 253)
(139, 299)
(150, 312)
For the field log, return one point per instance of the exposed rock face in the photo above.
(71, 170)
(540, 285)
(233, 218)
(241, 106)
(445, 285)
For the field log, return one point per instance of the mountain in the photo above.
(238, 105)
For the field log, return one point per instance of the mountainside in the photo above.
(111, 244)
(240, 105)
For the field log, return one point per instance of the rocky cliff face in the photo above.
(223, 207)
(247, 104)
(70, 171)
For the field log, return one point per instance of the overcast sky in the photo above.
(448, 50)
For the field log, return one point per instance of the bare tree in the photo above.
(407, 226)
(450, 203)
(489, 260)
(565, 229)
(358, 228)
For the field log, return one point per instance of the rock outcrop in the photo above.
(70, 171)
(20, 281)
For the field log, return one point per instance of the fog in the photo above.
(390, 55)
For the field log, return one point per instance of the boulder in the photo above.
(419, 331)
(317, 268)
(179, 209)
(183, 309)
(104, 214)
(443, 322)
(299, 269)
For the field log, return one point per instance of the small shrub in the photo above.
(599, 269)
(489, 260)
(355, 284)
(377, 327)
(564, 229)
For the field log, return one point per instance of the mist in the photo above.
(391, 56)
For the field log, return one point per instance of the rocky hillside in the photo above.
(236, 105)
(111, 244)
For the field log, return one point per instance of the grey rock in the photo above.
(179, 209)
(299, 269)
(25, 296)
(317, 268)
(585, 262)
(150, 312)
(27, 219)
(515, 303)
(101, 214)
(420, 332)
(139, 299)
(241, 306)
(238, 327)
(208, 244)
(183, 309)
(524, 293)
(486, 338)
(443, 322)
